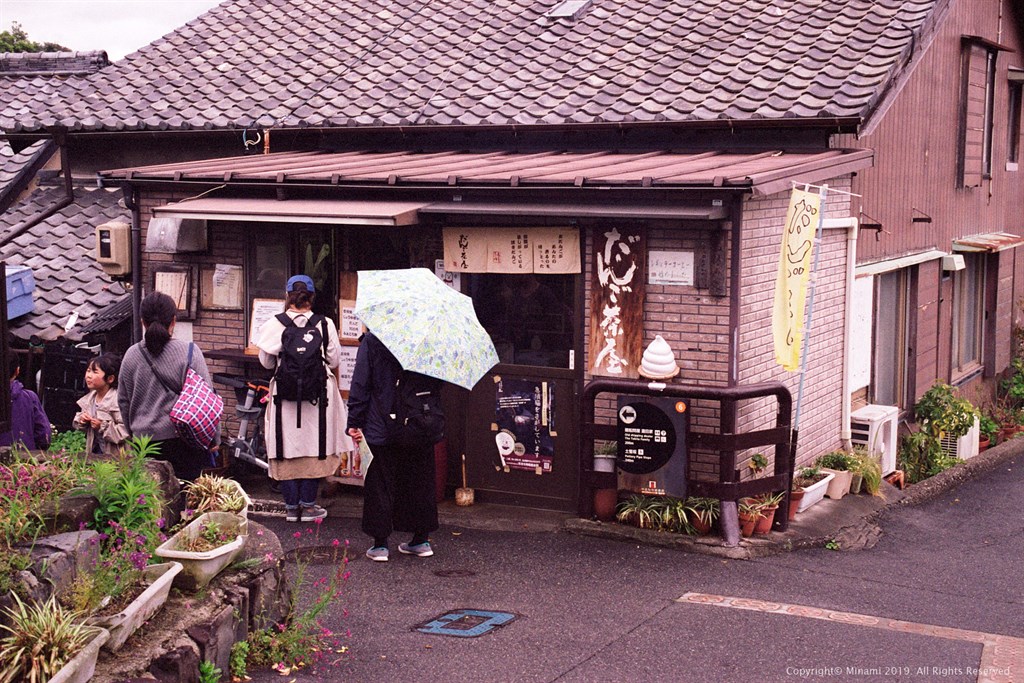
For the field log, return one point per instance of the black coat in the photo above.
(371, 397)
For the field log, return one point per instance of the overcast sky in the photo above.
(118, 26)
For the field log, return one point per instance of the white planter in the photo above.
(199, 568)
(123, 624)
(840, 484)
(83, 665)
(604, 462)
(815, 492)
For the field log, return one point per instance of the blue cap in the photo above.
(304, 279)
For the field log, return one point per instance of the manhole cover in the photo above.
(315, 554)
(466, 623)
(454, 573)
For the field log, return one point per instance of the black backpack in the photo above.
(301, 373)
(418, 416)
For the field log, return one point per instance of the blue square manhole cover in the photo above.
(466, 623)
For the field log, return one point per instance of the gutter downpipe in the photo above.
(131, 201)
(852, 226)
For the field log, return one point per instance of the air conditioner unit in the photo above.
(874, 427)
(966, 446)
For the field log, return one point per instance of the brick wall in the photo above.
(210, 329)
(821, 407)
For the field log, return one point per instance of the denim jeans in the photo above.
(299, 491)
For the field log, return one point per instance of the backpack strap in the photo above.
(322, 322)
(287, 321)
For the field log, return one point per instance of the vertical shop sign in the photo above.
(524, 422)
(616, 319)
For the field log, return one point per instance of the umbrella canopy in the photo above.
(428, 326)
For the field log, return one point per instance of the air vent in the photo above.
(570, 9)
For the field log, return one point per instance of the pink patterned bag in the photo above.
(197, 411)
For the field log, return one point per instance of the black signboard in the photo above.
(652, 445)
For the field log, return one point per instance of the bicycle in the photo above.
(251, 397)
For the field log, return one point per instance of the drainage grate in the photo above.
(315, 554)
(454, 573)
(466, 623)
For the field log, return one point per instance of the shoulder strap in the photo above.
(285, 319)
(188, 364)
(145, 355)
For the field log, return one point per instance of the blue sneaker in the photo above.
(419, 550)
(378, 554)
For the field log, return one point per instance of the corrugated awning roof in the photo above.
(295, 211)
(761, 173)
(991, 241)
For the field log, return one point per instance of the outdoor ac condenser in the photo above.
(966, 446)
(874, 427)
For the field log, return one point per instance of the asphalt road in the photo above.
(590, 609)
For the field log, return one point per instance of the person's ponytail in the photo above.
(157, 311)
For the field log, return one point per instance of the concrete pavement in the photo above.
(935, 595)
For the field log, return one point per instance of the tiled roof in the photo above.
(297, 63)
(25, 63)
(59, 251)
(14, 166)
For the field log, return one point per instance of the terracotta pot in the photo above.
(605, 501)
(747, 523)
(764, 522)
(983, 443)
(794, 503)
(701, 527)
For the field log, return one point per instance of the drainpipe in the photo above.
(851, 225)
(131, 201)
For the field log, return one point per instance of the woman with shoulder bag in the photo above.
(151, 380)
(306, 416)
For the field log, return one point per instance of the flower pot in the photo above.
(700, 526)
(199, 568)
(604, 462)
(747, 523)
(840, 484)
(81, 667)
(983, 443)
(795, 500)
(856, 479)
(764, 522)
(123, 624)
(605, 501)
(815, 492)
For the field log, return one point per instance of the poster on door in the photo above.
(524, 425)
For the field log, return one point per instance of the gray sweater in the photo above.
(145, 403)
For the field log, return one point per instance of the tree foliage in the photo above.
(17, 40)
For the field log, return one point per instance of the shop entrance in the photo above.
(520, 421)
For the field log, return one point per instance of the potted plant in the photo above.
(210, 493)
(941, 412)
(769, 504)
(868, 468)
(814, 483)
(702, 512)
(749, 511)
(47, 642)
(989, 431)
(757, 464)
(837, 462)
(204, 547)
(640, 511)
(605, 499)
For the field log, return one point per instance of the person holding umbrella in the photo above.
(398, 489)
(420, 332)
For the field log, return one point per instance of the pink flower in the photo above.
(318, 522)
(335, 543)
(297, 534)
(269, 557)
